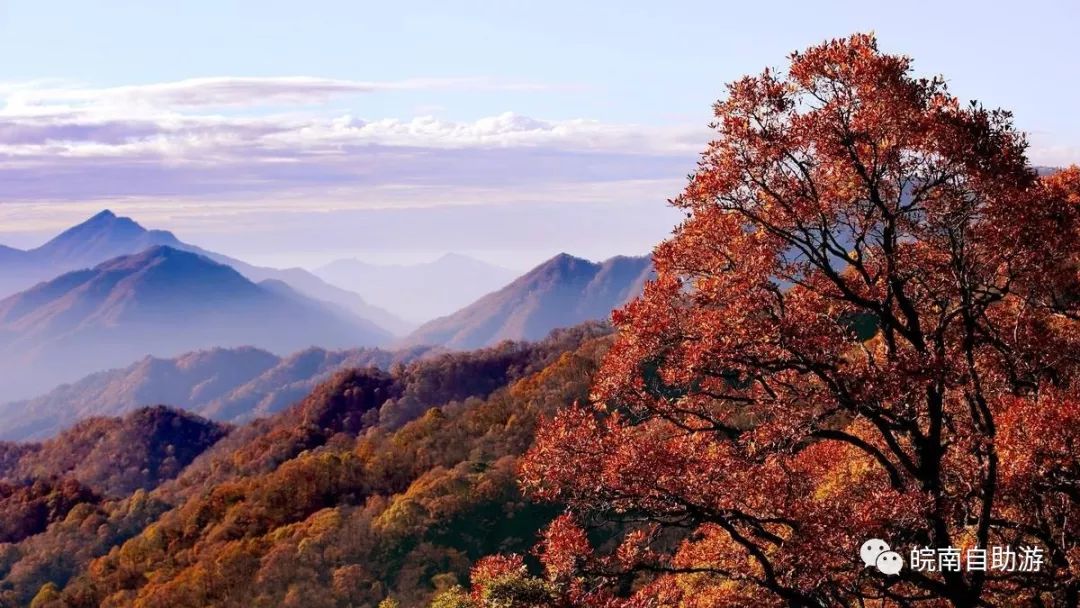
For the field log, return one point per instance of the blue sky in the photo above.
(259, 128)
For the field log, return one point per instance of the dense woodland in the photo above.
(377, 485)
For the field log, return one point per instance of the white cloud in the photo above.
(65, 143)
(1048, 150)
(48, 97)
(504, 130)
(167, 142)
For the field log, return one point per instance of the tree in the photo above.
(866, 327)
(502, 582)
(48, 594)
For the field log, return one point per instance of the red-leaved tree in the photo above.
(866, 327)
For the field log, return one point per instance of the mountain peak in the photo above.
(104, 221)
(566, 258)
(460, 261)
(102, 215)
(561, 263)
(160, 301)
(563, 291)
(102, 237)
(103, 225)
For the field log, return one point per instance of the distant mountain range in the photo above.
(419, 292)
(561, 292)
(226, 384)
(162, 301)
(102, 237)
(108, 292)
(106, 236)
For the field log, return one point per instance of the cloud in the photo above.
(1051, 150)
(177, 136)
(224, 156)
(45, 97)
(168, 142)
(60, 143)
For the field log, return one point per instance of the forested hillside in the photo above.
(376, 485)
(116, 456)
(86, 470)
(233, 385)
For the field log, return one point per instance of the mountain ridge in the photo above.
(422, 291)
(561, 292)
(224, 384)
(162, 301)
(369, 475)
(158, 440)
(106, 235)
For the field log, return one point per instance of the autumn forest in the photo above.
(866, 326)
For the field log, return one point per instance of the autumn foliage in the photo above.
(380, 488)
(866, 327)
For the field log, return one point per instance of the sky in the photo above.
(292, 133)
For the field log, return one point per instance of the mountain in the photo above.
(116, 456)
(322, 504)
(163, 302)
(314, 287)
(106, 236)
(421, 291)
(295, 376)
(185, 381)
(100, 238)
(225, 384)
(41, 484)
(561, 292)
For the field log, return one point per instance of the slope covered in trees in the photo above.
(27, 509)
(225, 384)
(378, 484)
(116, 456)
(62, 501)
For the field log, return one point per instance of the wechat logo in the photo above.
(876, 552)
